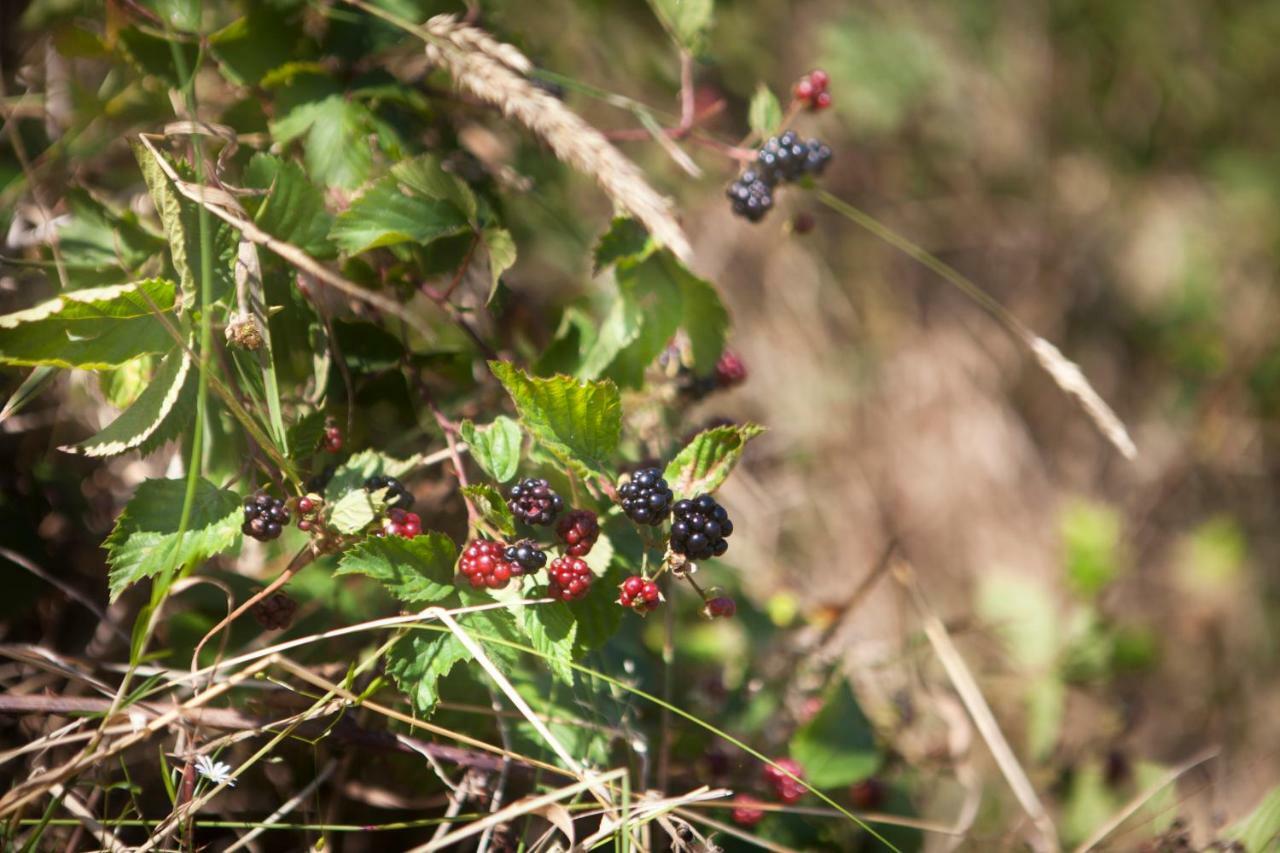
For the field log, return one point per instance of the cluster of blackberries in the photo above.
(527, 555)
(639, 594)
(700, 528)
(275, 612)
(484, 564)
(400, 522)
(532, 501)
(264, 517)
(646, 497)
(781, 158)
(811, 90)
(332, 439)
(570, 578)
(397, 495)
(579, 531)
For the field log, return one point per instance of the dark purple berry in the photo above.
(646, 497)
(533, 502)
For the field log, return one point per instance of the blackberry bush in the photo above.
(533, 502)
(699, 528)
(646, 497)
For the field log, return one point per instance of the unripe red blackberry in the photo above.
(579, 531)
(400, 523)
(527, 555)
(397, 495)
(784, 787)
(646, 497)
(699, 528)
(275, 612)
(483, 565)
(264, 517)
(720, 607)
(867, 795)
(640, 594)
(747, 811)
(332, 440)
(570, 578)
(533, 502)
(730, 369)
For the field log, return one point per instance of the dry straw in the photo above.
(494, 73)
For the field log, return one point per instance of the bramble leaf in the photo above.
(145, 537)
(496, 447)
(837, 746)
(626, 238)
(489, 503)
(160, 412)
(707, 460)
(553, 631)
(578, 421)
(363, 465)
(92, 329)
(502, 255)
(294, 208)
(355, 510)
(416, 571)
(418, 662)
(765, 114)
(384, 216)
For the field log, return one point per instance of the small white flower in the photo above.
(215, 771)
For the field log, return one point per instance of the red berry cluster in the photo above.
(570, 578)
(332, 440)
(579, 531)
(784, 787)
(811, 90)
(639, 594)
(730, 369)
(308, 507)
(747, 811)
(400, 522)
(484, 565)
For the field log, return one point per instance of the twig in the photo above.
(975, 703)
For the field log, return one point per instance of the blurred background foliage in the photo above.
(1109, 171)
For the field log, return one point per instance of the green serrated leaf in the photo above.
(418, 662)
(336, 147)
(492, 508)
(496, 447)
(145, 534)
(251, 46)
(553, 631)
(92, 329)
(356, 510)
(765, 114)
(305, 435)
(384, 216)
(424, 176)
(625, 239)
(836, 747)
(294, 207)
(705, 319)
(160, 413)
(707, 460)
(654, 302)
(363, 465)
(578, 421)
(416, 571)
(502, 255)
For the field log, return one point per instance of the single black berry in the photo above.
(397, 495)
(533, 502)
(275, 612)
(527, 555)
(646, 497)
(264, 517)
(699, 528)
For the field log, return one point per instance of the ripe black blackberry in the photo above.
(275, 612)
(646, 497)
(751, 195)
(781, 158)
(817, 155)
(533, 502)
(700, 528)
(264, 517)
(397, 495)
(527, 555)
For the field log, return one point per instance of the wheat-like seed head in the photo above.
(493, 72)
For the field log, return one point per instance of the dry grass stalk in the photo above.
(493, 72)
(1068, 376)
